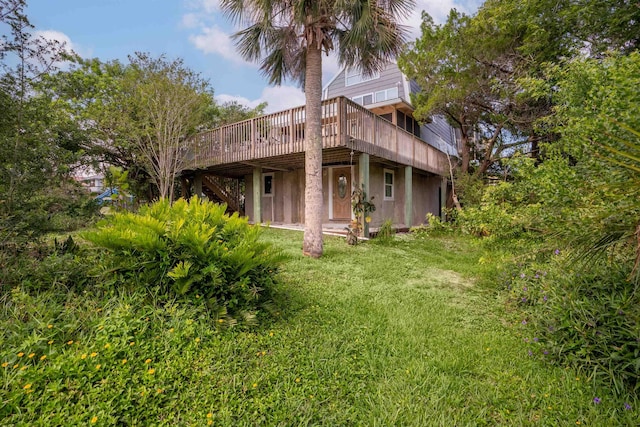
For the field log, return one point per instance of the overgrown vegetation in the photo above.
(406, 339)
(62, 113)
(134, 329)
(189, 249)
(545, 97)
(567, 227)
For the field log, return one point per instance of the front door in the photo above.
(341, 196)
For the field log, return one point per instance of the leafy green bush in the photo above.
(191, 248)
(386, 233)
(593, 321)
(42, 265)
(589, 318)
(434, 226)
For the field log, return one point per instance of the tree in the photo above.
(470, 70)
(168, 103)
(91, 92)
(38, 145)
(484, 72)
(137, 114)
(233, 112)
(288, 38)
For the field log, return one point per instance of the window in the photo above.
(342, 186)
(388, 184)
(363, 99)
(388, 117)
(384, 95)
(267, 184)
(380, 96)
(354, 76)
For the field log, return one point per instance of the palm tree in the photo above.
(288, 38)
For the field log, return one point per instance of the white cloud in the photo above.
(439, 10)
(278, 98)
(52, 35)
(204, 5)
(210, 6)
(214, 40)
(190, 21)
(224, 98)
(65, 43)
(282, 97)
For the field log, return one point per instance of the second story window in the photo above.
(363, 99)
(354, 76)
(384, 95)
(379, 96)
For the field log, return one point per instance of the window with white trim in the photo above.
(379, 96)
(354, 76)
(389, 179)
(267, 184)
(384, 95)
(363, 99)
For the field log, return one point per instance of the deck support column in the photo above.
(443, 198)
(257, 195)
(408, 196)
(363, 179)
(185, 191)
(197, 185)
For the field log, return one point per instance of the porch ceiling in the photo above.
(330, 157)
(339, 155)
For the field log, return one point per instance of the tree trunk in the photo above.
(488, 152)
(466, 148)
(313, 203)
(454, 195)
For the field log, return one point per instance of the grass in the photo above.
(371, 335)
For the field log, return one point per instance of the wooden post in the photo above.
(257, 195)
(363, 179)
(443, 197)
(184, 187)
(197, 185)
(340, 129)
(292, 130)
(408, 196)
(254, 139)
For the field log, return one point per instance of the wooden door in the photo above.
(341, 196)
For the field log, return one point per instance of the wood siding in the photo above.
(390, 77)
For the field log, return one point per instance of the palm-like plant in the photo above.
(288, 38)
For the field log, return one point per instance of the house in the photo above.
(370, 139)
(91, 180)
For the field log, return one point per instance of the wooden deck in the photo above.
(345, 125)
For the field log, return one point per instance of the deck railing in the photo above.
(344, 124)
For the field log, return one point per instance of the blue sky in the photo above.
(194, 30)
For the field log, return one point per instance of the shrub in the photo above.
(589, 318)
(592, 321)
(190, 249)
(42, 265)
(386, 233)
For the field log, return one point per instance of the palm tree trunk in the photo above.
(313, 201)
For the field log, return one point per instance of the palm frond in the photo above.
(249, 42)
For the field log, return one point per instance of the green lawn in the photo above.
(369, 335)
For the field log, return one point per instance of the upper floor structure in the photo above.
(388, 94)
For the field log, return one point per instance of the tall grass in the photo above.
(397, 334)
